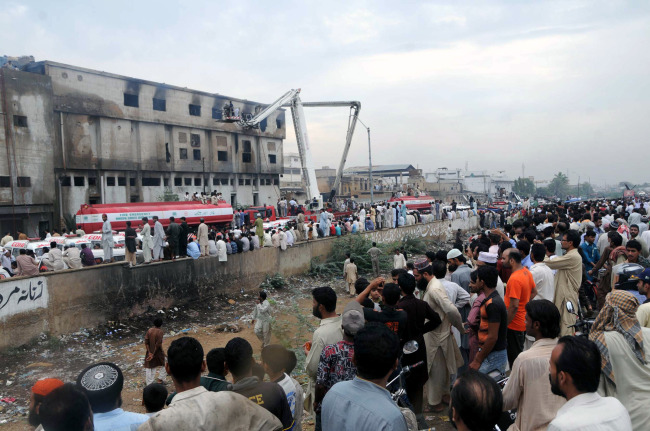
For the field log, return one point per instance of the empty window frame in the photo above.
(197, 154)
(65, 181)
(178, 181)
(151, 181)
(110, 181)
(121, 181)
(182, 153)
(272, 159)
(131, 100)
(187, 181)
(159, 104)
(79, 181)
(195, 140)
(20, 121)
(222, 156)
(5, 181)
(197, 181)
(195, 110)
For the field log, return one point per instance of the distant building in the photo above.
(291, 180)
(75, 136)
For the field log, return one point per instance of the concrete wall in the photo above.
(26, 151)
(63, 302)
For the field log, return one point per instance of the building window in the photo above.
(20, 121)
(65, 181)
(182, 138)
(247, 155)
(79, 181)
(187, 181)
(195, 110)
(178, 181)
(182, 153)
(255, 183)
(132, 182)
(121, 181)
(224, 182)
(159, 104)
(215, 181)
(268, 181)
(195, 140)
(151, 181)
(197, 181)
(247, 182)
(166, 182)
(217, 113)
(276, 181)
(110, 181)
(241, 181)
(5, 181)
(131, 100)
(197, 154)
(272, 159)
(92, 181)
(222, 156)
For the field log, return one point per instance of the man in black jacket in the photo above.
(417, 312)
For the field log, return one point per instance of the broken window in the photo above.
(121, 181)
(197, 181)
(217, 113)
(5, 182)
(241, 181)
(159, 104)
(182, 153)
(131, 100)
(276, 181)
(272, 158)
(110, 181)
(247, 182)
(92, 181)
(224, 182)
(79, 181)
(166, 182)
(195, 140)
(132, 182)
(187, 181)
(195, 110)
(20, 121)
(178, 181)
(151, 181)
(222, 156)
(197, 154)
(247, 156)
(65, 181)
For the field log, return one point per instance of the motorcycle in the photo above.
(508, 417)
(398, 393)
(582, 325)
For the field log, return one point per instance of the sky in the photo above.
(494, 85)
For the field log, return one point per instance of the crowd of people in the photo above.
(502, 301)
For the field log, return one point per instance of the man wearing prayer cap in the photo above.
(490, 259)
(39, 391)
(103, 383)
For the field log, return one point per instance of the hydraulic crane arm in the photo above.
(355, 107)
(264, 113)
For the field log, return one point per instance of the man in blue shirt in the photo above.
(364, 404)
(193, 249)
(103, 384)
(590, 253)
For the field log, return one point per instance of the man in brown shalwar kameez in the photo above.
(155, 356)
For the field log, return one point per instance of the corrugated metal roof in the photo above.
(380, 168)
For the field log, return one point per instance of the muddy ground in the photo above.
(213, 323)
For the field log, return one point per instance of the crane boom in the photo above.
(291, 99)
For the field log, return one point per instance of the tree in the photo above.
(584, 189)
(523, 187)
(559, 185)
(168, 196)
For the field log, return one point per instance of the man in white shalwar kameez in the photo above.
(107, 239)
(147, 241)
(158, 240)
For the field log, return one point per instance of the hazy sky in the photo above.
(556, 85)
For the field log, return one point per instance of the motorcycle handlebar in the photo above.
(410, 367)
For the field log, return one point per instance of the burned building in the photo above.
(78, 136)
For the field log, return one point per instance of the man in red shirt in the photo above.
(519, 290)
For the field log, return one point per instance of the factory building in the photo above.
(76, 136)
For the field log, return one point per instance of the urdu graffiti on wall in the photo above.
(22, 295)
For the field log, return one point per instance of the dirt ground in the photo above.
(213, 323)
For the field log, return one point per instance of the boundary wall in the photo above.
(62, 302)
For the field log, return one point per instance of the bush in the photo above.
(275, 281)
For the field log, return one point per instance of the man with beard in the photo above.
(39, 391)
(420, 319)
(443, 355)
(528, 383)
(328, 332)
(574, 374)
